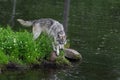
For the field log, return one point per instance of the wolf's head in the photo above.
(61, 39)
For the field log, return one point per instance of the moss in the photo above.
(78, 57)
(67, 45)
(61, 60)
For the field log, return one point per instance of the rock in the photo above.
(72, 54)
(53, 56)
(16, 66)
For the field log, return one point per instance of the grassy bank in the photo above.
(20, 48)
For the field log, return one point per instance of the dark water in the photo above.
(94, 31)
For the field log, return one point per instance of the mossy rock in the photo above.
(59, 60)
(62, 61)
(72, 54)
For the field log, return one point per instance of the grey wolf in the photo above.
(52, 27)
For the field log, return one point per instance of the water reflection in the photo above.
(41, 74)
(84, 71)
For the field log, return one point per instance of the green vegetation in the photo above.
(62, 60)
(20, 48)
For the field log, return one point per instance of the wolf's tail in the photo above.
(25, 23)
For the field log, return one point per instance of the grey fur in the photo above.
(52, 27)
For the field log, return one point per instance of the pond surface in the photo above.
(94, 31)
(84, 71)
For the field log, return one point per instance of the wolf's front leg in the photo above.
(55, 48)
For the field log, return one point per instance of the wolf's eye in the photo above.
(59, 36)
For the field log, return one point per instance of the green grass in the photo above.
(16, 45)
(20, 48)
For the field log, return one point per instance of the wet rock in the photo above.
(53, 56)
(16, 66)
(72, 54)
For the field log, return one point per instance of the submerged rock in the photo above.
(72, 54)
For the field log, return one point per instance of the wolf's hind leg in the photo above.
(36, 31)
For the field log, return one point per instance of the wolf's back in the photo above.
(25, 23)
